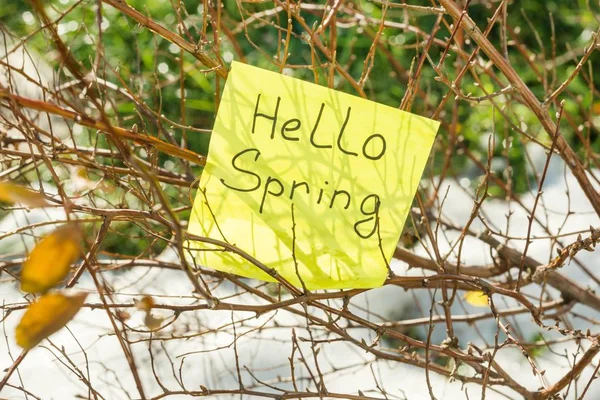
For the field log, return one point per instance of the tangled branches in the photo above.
(106, 108)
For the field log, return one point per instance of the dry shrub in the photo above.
(106, 109)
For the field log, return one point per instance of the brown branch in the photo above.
(13, 368)
(534, 104)
(102, 126)
(575, 371)
(174, 38)
(567, 287)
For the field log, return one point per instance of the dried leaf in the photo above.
(476, 298)
(145, 304)
(47, 315)
(49, 261)
(17, 194)
(123, 315)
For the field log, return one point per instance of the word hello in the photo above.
(294, 124)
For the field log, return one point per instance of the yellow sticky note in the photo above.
(314, 183)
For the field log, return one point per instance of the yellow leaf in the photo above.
(47, 315)
(49, 261)
(596, 108)
(476, 298)
(152, 322)
(17, 194)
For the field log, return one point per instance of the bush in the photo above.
(106, 109)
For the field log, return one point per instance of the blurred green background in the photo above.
(151, 68)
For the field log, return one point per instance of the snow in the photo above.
(264, 345)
